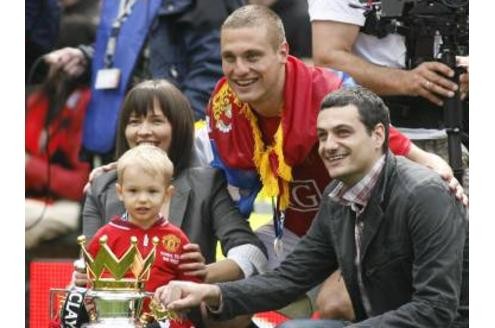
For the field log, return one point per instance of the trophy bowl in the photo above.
(116, 308)
(116, 297)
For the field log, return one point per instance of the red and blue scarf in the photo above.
(237, 138)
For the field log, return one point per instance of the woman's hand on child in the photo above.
(192, 262)
(97, 172)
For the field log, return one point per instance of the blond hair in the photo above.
(150, 159)
(254, 16)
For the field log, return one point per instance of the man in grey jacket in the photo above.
(392, 226)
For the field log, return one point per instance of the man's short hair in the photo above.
(371, 108)
(258, 15)
(148, 158)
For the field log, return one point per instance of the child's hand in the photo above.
(80, 279)
(192, 262)
(79, 275)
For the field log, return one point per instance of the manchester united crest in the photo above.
(171, 243)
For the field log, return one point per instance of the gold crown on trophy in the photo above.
(106, 261)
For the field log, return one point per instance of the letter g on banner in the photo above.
(305, 195)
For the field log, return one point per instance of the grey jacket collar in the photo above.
(180, 199)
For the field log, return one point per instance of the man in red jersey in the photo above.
(262, 123)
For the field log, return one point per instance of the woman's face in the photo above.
(154, 128)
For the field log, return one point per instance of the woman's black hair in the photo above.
(175, 107)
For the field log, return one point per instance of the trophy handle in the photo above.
(56, 302)
(158, 311)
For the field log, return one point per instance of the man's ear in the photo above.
(118, 188)
(378, 135)
(283, 52)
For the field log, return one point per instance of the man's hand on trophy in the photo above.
(180, 296)
(192, 262)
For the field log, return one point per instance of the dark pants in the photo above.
(307, 323)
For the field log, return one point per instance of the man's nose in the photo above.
(330, 143)
(241, 67)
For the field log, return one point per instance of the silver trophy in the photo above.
(116, 297)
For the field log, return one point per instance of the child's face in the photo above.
(143, 195)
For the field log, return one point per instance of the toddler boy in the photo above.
(144, 174)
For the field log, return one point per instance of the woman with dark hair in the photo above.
(162, 101)
(157, 113)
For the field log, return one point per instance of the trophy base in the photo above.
(112, 322)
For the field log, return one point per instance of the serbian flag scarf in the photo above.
(234, 128)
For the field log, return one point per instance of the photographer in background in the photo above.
(415, 97)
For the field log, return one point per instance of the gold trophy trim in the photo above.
(132, 260)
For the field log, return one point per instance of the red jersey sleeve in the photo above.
(398, 143)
